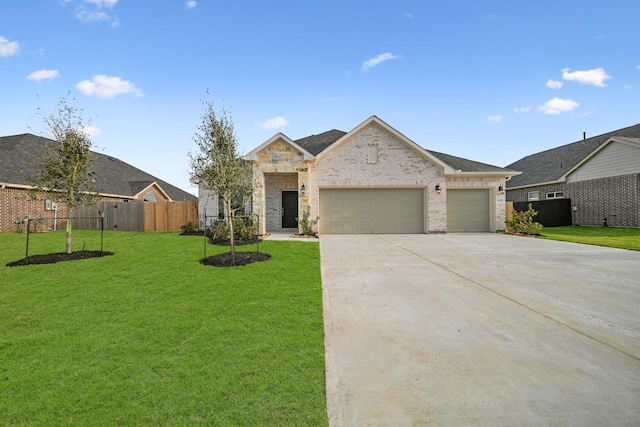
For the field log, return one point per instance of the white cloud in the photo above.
(495, 119)
(370, 63)
(274, 123)
(103, 86)
(558, 106)
(595, 77)
(43, 75)
(91, 131)
(554, 84)
(8, 48)
(191, 4)
(627, 86)
(523, 109)
(102, 3)
(91, 16)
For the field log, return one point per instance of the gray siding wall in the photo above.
(617, 158)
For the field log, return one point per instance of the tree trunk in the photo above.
(231, 234)
(69, 220)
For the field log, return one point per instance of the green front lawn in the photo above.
(149, 336)
(623, 238)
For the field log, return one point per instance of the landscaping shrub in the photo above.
(306, 224)
(522, 222)
(189, 227)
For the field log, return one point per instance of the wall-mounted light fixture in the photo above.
(438, 189)
(500, 189)
(303, 188)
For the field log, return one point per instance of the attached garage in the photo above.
(468, 210)
(372, 210)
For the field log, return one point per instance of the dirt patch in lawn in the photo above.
(240, 258)
(58, 257)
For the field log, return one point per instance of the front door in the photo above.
(289, 209)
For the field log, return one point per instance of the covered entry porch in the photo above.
(282, 201)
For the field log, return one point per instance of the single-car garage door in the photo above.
(468, 210)
(380, 210)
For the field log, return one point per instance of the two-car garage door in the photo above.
(399, 210)
(372, 210)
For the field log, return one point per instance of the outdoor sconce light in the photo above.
(438, 189)
(303, 188)
(500, 189)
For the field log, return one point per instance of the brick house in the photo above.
(372, 179)
(116, 180)
(601, 176)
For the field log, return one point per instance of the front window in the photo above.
(532, 196)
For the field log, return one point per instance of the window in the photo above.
(150, 197)
(372, 153)
(555, 195)
(532, 196)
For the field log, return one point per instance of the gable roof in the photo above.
(19, 155)
(251, 155)
(316, 146)
(555, 164)
(394, 132)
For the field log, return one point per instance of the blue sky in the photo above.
(490, 81)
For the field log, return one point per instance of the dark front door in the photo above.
(289, 209)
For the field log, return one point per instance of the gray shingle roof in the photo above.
(465, 165)
(551, 165)
(315, 144)
(20, 153)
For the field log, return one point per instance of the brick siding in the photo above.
(616, 198)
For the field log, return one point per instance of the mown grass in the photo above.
(149, 336)
(623, 238)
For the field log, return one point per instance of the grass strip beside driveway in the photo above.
(613, 237)
(149, 336)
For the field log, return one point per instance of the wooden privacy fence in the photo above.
(137, 216)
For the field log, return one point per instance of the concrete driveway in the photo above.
(480, 329)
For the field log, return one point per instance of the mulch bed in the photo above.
(241, 258)
(58, 257)
(237, 241)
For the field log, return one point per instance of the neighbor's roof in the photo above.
(552, 165)
(19, 155)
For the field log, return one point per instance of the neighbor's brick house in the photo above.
(372, 179)
(601, 176)
(116, 180)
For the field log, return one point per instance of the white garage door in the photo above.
(468, 210)
(381, 210)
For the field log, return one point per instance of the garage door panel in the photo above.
(364, 211)
(468, 210)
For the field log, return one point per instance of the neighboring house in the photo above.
(372, 179)
(116, 181)
(601, 176)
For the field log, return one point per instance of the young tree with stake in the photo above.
(63, 171)
(218, 165)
